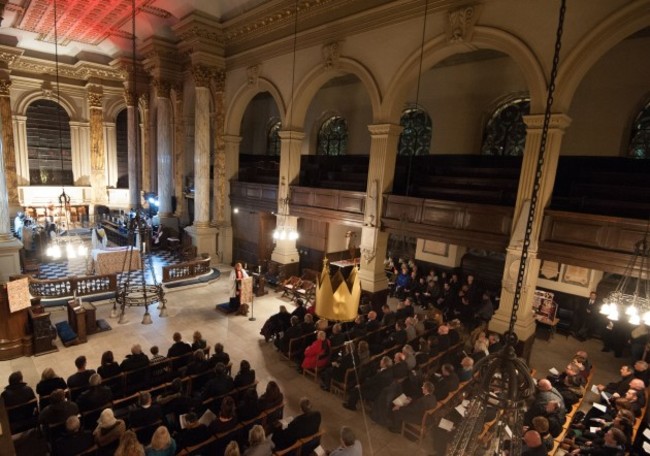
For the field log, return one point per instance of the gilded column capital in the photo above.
(202, 75)
(219, 81)
(5, 84)
(559, 121)
(129, 98)
(385, 129)
(95, 100)
(162, 87)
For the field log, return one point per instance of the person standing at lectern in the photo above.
(236, 276)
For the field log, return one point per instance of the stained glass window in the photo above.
(640, 138)
(505, 133)
(416, 135)
(333, 137)
(273, 139)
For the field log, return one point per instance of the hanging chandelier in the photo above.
(631, 297)
(285, 231)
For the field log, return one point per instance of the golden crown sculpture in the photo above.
(337, 298)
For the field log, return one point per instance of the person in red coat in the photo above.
(318, 353)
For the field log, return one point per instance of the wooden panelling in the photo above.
(474, 225)
(254, 196)
(339, 206)
(591, 241)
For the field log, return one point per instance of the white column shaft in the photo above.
(134, 198)
(202, 157)
(164, 162)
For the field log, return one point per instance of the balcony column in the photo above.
(232, 168)
(374, 242)
(525, 326)
(9, 245)
(285, 251)
(11, 176)
(204, 237)
(22, 161)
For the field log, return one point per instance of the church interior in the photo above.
(456, 154)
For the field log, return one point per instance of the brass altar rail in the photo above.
(186, 270)
(67, 286)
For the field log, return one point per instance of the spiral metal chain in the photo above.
(538, 171)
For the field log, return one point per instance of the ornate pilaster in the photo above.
(525, 326)
(374, 242)
(146, 138)
(97, 150)
(220, 181)
(9, 246)
(22, 161)
(8, 144)
(290, 145)
(202, 76)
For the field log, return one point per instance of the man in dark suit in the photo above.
(495, 344)
(400, 368)
(17, 392)
(221, 384)
(145, 412)
(135, 360)
(96, 396)
(414, 410)
(447, 382)
(389, 318)
(75, 440)
(59, 409)
(397, 337)
(82, 376)
(303, 425)
(193, 433)
(293, 332)
(371, 388)
(178, 348)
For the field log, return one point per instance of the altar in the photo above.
(115, 260)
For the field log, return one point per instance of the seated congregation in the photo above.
(161, 405)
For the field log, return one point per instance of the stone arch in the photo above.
(66, 103)
(439, 48)
(113, 108)
(316, 78)
(243, 97)
(608, 33)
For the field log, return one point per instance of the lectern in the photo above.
(15, 340)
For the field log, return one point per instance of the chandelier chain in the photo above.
(538, 171)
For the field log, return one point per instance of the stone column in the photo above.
(22, 161)
(147, 136)
(525, 325)
(220, 182)
(374, 242)
(132, 149)
(8, 146)
(285, 251)
(97, 151)
(232, 168)
(203, 235)
(9, 245)
(164, 156)
(179, 153)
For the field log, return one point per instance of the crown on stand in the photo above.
(337, 298)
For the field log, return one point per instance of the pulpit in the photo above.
(15, 340)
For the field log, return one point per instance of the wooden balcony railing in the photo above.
(342, 206)
(186, 270)
(67, 286)
(254, 196)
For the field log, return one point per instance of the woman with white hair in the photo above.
(109, 429)
(258, 444)
(162, 444)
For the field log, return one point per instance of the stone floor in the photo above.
(193, 309)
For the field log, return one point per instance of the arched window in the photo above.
(416, 135)
(273, 139)
(49, 155)
(505, 133)
(640, 138)
(122, 149)
(333, 137)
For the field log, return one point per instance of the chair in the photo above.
(23, 417)
(565, 323)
